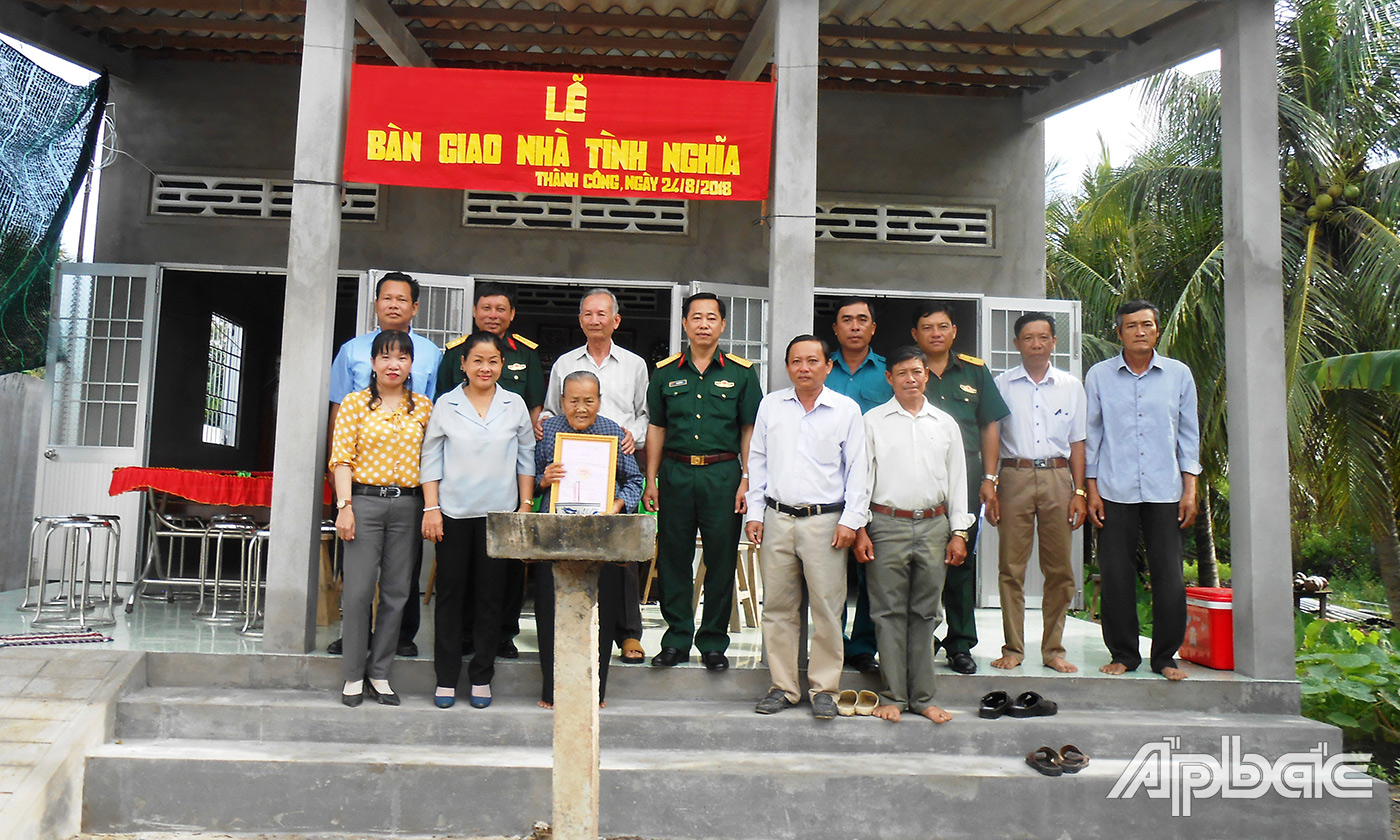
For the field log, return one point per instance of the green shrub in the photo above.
(1336, 552)
(1350, 678)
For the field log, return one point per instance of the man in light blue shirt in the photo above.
(395, 304)
(859, 373)
(1142, 458)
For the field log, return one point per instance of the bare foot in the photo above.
(889, 713)
(1174, 674)
(602, 704)
(1007, 662)
(1062, 665)
(544, 705)
(1113, 669)
(937, 715)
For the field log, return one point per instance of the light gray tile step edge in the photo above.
(142, 785)
(293, 715)
(46, 804)
(1212, 692)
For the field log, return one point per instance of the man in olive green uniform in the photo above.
(493, 311)
(962, 386)
(701, 409)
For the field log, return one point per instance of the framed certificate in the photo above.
(590, 478)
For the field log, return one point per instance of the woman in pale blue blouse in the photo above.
(478, 457)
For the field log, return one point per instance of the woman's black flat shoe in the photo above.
(387, 698)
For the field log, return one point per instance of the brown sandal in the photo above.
(1046, 762)
(632, 652)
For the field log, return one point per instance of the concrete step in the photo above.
(1207, 692)
(289, 786)
(164, 712)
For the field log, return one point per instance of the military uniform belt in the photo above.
(700, 460)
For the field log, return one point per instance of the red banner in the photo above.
(572, 134)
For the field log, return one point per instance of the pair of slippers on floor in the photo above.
(851, 702)
(1026, 705)
(1050, 762)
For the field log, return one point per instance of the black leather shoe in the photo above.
(507, 650)
(352, 700)
(963, 663)
(864, 663)
(407, 649)
(669, 656)
(387, 698)
(715, 661)
(336, 647)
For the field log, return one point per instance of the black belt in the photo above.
(700, 460)
(806, 510)
(389, 492)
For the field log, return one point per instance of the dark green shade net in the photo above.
(48, 133)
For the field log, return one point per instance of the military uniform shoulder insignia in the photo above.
(738, 360)
(525, 341)
(666, 361)
(456, 341)
(972, 360)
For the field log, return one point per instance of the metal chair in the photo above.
(251, 584)
(223, 529)
(174, 533)
(74, 606)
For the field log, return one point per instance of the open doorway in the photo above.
(214, 399)
(547, 313)
(894, 318)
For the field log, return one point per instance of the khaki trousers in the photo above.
(797, 551)
(1035, 501)
(906, 587)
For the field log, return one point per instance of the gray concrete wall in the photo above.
(21, 404)
(231, 119)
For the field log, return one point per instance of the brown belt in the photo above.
(1034, 463)
(909, 514)
(700, 460)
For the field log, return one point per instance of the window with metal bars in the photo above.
(221, 389)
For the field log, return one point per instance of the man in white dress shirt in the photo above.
(917, 529)
(807, 496)
(1040, 488)
(622, 378)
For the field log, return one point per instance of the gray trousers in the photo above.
(905, 582)
(383, 552)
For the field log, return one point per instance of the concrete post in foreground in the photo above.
(1254, 344)
(312, 260)
(792, 245)
(578, 546)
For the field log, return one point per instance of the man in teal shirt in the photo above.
(859, 373)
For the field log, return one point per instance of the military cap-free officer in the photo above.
(962, 386)
(701, 409)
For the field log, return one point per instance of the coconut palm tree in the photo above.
(1339, 78)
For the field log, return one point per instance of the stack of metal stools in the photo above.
(61, 554)
(224, 530)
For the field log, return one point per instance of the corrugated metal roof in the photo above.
(970, 47)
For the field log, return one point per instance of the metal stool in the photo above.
(36, 576)
(74, 607)
(251, 584)
(224, 528)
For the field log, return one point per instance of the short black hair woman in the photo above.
(478, 457)
(375, 450)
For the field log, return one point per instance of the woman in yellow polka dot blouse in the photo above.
(375, 450)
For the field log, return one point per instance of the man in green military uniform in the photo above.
(493, 311)
(962, 386)
(701, 409)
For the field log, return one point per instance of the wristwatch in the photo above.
(1080, 492)
(993, 479)
(342, 504)
(962, 534)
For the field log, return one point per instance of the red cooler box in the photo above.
(1210, 627)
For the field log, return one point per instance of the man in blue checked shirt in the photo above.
(1142, 458)
(579, 415)
(395, 304)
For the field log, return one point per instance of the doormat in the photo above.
(68, 638)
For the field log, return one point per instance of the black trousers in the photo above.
(1154, 523)
(629, 617)
(467, 575)
(610, 598)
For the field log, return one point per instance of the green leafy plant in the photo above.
(1350, 678)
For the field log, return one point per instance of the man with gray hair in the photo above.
(622, 378)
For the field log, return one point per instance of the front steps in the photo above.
(261, 744)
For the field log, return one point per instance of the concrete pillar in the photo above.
(1259, 534)
(308, 317)
(792, 248)
(575, 776)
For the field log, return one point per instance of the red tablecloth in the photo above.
(210, 487)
